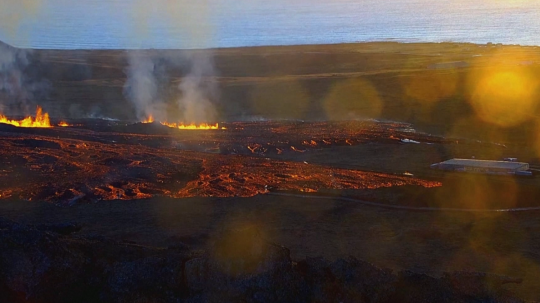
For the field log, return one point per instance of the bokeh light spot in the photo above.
(355, 98)
(268, 100)
(505, 92)
(431, 87)
(504, 96)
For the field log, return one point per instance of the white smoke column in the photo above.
(15, 89)
(141, 87)
(198, 90)
(9, 79)
(190, 22)
(7, 59)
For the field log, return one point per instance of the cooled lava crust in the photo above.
(103, 160)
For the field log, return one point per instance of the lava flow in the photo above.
(41, 120)
(91, 163)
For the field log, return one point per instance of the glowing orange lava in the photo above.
(41, 120)
(150, 119)
(63, 124)
(192, 126)
(203, 126)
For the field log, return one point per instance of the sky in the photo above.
(208, 23)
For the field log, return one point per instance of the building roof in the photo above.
(485, 163)
(448, 65)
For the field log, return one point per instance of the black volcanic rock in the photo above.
(39, 266)
(61, 228)
(153, 128)
(241, 266)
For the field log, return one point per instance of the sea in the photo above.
(169, 24)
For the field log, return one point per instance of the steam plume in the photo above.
(197, 91)
(10, 73)
(18, 89)
(141, 87)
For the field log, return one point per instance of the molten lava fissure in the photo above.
(192, 126)
(68, 165)
(41, 120)
(150, 119)
(203, 126)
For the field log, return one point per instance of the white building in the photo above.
(484, 166)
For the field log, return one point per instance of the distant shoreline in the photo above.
(363, 43)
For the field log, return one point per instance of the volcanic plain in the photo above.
(324, 149)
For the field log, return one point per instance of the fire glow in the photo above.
(203, 126)
(41, 120)
(182, 126)
(150, 119)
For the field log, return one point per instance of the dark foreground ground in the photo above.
(45, 264)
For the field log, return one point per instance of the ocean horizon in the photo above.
(120, 24)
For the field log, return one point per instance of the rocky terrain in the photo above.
(108, 161)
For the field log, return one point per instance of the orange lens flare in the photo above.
(41, 120)
(505, 98)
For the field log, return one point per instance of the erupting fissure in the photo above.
(150, 119)
(192, 126)
(41, 120)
